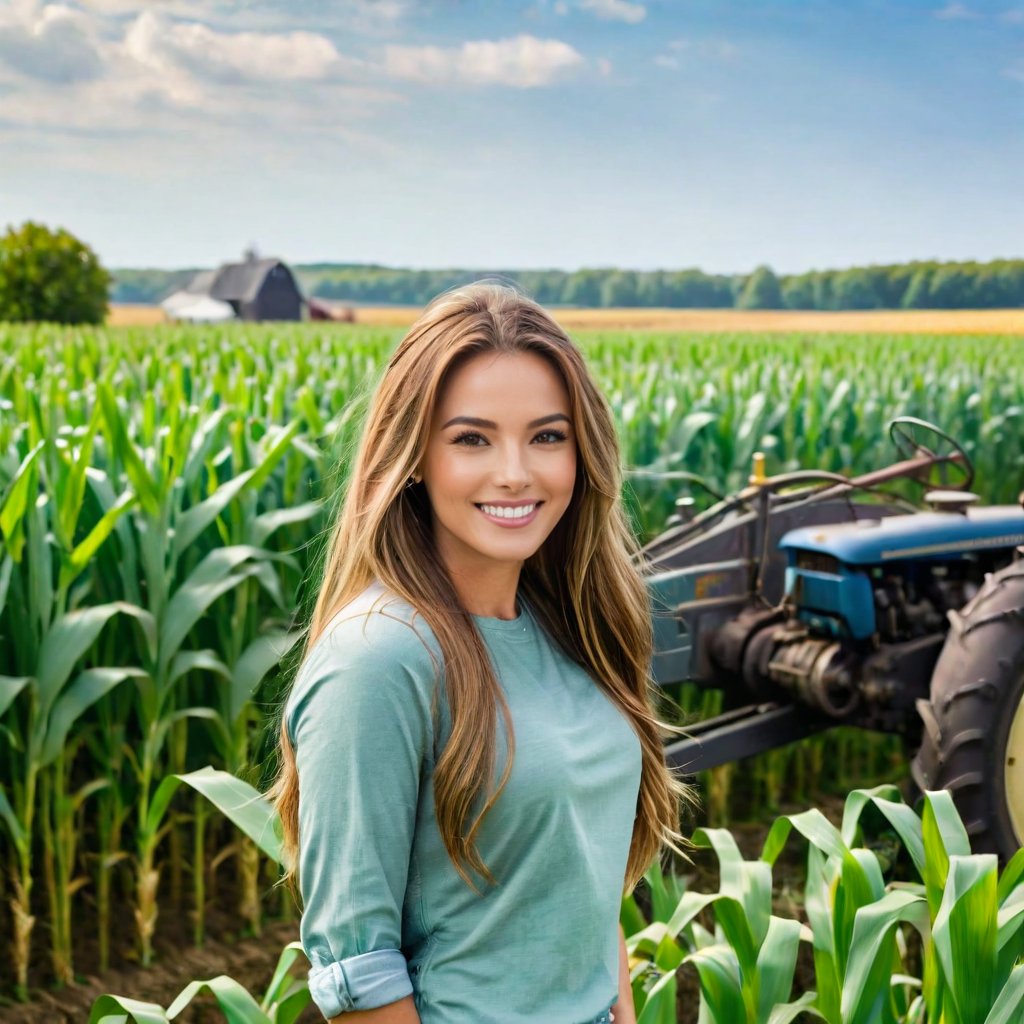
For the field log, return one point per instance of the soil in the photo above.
(251, 961)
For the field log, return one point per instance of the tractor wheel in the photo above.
(973, 737)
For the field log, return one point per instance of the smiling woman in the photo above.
(497, 488)
(472, 774)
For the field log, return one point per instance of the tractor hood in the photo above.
(921, 535)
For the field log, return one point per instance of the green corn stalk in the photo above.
(52, 704)
(176, 610)
(746, 968)
(251, 651)
(971, 923)
(45, 702)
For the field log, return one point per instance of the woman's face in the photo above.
(500, 462)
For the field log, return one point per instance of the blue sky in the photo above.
(541, 133)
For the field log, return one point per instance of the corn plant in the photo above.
(746, 966)
(49, 697)
(969, 920)
(284, 999)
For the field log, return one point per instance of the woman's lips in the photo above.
(508, 521)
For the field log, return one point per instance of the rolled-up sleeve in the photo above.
(359, 716)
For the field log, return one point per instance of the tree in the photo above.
(917, 293)
(798, 291)
(761, 291)
(951, 287)
(50, 275)
(855, 289)
(619, 289)
(583, 288)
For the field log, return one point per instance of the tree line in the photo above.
(997, 284)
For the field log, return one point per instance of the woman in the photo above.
(471, 773)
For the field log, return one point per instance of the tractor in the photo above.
(814, 599)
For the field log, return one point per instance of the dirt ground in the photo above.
(910, 321)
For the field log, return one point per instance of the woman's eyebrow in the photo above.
(474, 421)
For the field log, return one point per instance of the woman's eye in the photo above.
(554, 435)
(469, 438)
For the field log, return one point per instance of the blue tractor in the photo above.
(813, 599)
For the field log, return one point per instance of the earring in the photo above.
(413, 480)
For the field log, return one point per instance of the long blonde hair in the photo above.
(582, 583)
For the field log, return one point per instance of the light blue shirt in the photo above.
(385, 913)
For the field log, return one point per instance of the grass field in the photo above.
(909, 321)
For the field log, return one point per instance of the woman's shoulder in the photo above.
(380, 626)
(375, 652)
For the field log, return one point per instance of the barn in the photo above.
(256, 289)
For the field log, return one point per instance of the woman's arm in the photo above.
(624, 1010)
(359, 716)
(402, 1012)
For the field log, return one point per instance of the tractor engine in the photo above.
(864, 615)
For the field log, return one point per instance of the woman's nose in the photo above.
(513, 467)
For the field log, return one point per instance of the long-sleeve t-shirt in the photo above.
(385, 914)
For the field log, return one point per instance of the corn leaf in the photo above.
(110, 1008)
(245, 806)
(776, 965)
(282, 973)
(1009, 1005)
(238, 1006)
(262, 655)
(265, 524)
(856, 801)
(944, 835)
(965, 935)
(89, 686)
(10, 819)
(785, 1013)
(15, 502)
(720, 985)
(10, 687)
(68, 640)
(866, 987)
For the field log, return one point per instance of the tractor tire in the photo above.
(973, 737)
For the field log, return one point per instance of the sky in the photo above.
(536, 134)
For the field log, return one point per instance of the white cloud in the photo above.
(954, 12)
(696, 50)
(112, 6)
(604, 66)
(254, 56)
(54, 43)
(358, 13)
(615, 10)
(115, 76)
(523, 62)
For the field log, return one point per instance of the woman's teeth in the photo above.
(505, 512)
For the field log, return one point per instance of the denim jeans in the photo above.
(602, 1018)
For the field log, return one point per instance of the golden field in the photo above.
(908, 321)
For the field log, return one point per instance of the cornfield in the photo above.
(164, 496)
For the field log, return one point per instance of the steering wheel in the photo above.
(952, 466)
